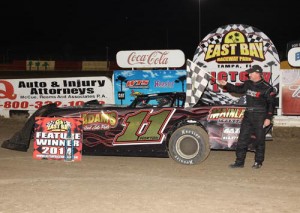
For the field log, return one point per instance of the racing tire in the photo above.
(189, 145)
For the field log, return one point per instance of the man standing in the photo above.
(259, 111)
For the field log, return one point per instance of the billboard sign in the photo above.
(31, 94)
(290, 92)
(229, 50)
(130, 83)
(150, 58)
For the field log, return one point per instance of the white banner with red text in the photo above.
(31, 94)
(150, 58)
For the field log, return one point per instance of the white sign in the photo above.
(31, 94)
(150, 58)
(294, 57)
(227, 52)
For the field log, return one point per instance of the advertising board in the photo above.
(32, 94)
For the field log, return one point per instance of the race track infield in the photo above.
(132, 184)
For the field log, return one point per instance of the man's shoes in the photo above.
(256, 165)
(236, 165)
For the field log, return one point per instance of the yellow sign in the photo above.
(94, 66)
(32, 65)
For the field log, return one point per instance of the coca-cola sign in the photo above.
(150, 58)
(290, 92)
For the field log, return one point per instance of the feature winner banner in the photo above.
(31, 94)
(230, 50)
(58, 138)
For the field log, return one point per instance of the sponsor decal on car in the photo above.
(99, 121)
(226, 115)
(144, 127)
(230, 133)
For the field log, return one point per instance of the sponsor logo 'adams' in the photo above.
(109, 118)
(99, 121)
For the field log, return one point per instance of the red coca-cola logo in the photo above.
(296, 91)
(154, 58)
(8, 92)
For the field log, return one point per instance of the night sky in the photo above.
(95, 30)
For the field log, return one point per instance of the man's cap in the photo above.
(254, 68)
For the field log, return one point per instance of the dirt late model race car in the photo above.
(153, 125)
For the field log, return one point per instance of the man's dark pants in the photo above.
(252, 124)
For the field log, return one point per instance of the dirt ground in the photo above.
(132, 184)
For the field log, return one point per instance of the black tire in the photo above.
(189, 145)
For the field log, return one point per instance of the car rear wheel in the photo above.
(189, 145)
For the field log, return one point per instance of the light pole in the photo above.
(107, 58)
(199, 21)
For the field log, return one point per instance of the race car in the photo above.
(153, 125)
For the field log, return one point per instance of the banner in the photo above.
(58, 139)
(32, 65)
(31, 94)
(130, 83)
(150, 58)
(290, 92)
(229, 50)
(94, 65)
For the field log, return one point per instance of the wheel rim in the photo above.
(187, 147)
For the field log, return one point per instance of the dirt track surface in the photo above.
(131, 184)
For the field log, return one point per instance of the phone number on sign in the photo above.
(36, 104)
